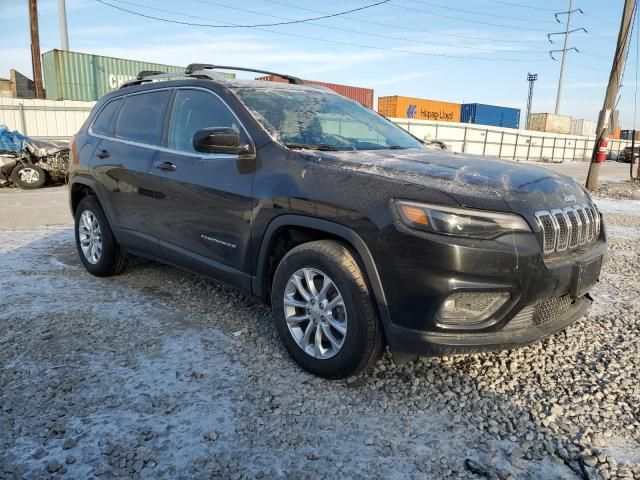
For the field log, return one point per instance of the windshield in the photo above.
(323, 121)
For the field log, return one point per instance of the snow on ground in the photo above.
(157, 373)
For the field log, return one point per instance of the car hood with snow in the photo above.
(472, 181)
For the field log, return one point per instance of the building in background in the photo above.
(87, 77)
(418, 108)
(17, 86)
(361, 95)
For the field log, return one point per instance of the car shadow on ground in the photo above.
(158, 373)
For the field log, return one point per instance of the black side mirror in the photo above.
(219, 140)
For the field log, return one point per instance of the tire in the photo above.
(28, 177)
(110, 260)
(361, 345)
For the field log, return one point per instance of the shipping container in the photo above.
(418, 108)
(492, 115)
(361, 95)
(616, 133)
(584, 128)
(86, 77)
(550, 123)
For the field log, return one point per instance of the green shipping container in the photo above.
(86, 77)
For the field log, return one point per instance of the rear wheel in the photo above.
(97, 247)
(324, 312)
(28, 176)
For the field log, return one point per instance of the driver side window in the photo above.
(194, 110)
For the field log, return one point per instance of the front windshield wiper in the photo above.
(325, 147)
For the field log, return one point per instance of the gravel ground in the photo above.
(157, 373)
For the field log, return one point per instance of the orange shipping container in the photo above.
(616, 133)
(359, 94)
(418, 108)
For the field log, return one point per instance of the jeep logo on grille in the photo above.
(569, 198)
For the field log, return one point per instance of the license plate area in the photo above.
(587, 275)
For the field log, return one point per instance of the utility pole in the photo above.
(565, 47)
(62, 13)
(612, 92)
(531, 78)
(35, 48)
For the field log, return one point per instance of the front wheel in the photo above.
(28, 177)
(324, 312)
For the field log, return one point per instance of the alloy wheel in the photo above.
(90, 237)
(315, 313)
(29, 175)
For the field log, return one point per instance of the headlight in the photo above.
(462, 222)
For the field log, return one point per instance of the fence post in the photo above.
(484, 147)
(529, 147)
(564, 149)
(575, 145)
(23, 122)
(515, 147)
(541, 149)
(553, 149)
(501, 142)
(464, 139)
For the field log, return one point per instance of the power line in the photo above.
(408, 29)
(290, 22)
(475, 12)
(378, 35)
(519, 5)
(458, 19)
(306, 37)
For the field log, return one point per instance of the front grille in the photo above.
(548, 311)
(568, 228)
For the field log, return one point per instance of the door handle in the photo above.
(102, 154)
(166, 166)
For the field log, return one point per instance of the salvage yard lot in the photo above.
(158, 373)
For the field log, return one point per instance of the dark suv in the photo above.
(358, 234)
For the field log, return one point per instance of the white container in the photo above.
(584, 128)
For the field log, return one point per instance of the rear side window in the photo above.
(142, 117)
(194, 110)
(106, 119)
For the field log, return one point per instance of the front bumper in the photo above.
(419, 272)
(522, 330)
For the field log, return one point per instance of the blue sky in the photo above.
(398, 43)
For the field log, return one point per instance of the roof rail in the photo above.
(147, 73)
(150, 75)
(199, 67)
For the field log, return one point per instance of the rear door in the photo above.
(205, 199)
(122, 162)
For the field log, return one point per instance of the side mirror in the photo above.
(219, 140)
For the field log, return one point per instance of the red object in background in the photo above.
(602, 150)
(359, 94)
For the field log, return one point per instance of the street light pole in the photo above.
(62, 13)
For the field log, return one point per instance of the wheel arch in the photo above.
(322, 229)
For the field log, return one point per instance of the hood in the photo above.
(473, 181)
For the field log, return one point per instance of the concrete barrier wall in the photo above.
(48, 119)
(61, 119)
(508, 143)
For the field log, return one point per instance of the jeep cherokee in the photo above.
(358, 234)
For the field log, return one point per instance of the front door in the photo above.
(204, 199)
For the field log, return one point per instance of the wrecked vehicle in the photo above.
(358, 234)
(31, 163)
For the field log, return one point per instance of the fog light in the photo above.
(470, 308)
